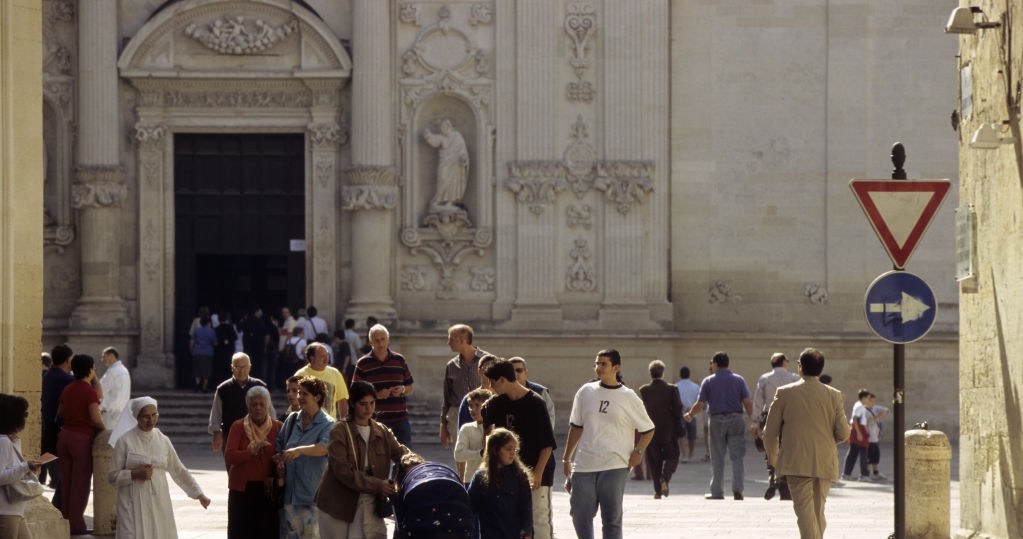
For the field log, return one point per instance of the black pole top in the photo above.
(898, 159)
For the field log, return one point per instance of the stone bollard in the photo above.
(45, 520)
(928, 480)
(104, 495)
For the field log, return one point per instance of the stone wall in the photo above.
(991, 345)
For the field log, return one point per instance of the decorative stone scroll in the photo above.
(481, 14)
(370, 188)
(232, 99)
(325, 136)
(233, 35)
(413, 278)
(721, 292)
(817, 293)
(581, 276)
(580, 25)
(579, 215)
(149, 133)
(625, 182)
(446, 246)
(59, 11)
(98, 187)
(408, 13)
(536, 183)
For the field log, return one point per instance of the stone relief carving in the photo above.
(99, 187)
(817, 293)
(579, 158)
(536, 183)
(444, 48)
(579, 215)
(59, 11)
(149, 133)
(409, 13)
(325, 135)
(625, 182)
(446, 244)
(580, 91)
(481, 14)
(413, 278)
(234, 99)
(233, 35)
(581, 276)
(580, 24)
(721, 292)
(484, 279)
(370, 188)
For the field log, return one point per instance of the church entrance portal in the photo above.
(239, 202)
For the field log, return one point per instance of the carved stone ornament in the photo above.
(580, 24)
(625, 182)
(408, 13)
(580, 91)
(817, 293)
(581, 276)
(233, 35)
(536, 183)
(149, 133)
(369, 197)
(484, 279)
(59, 236)
(325, 135)
(721, 292)
(579, 215)
(98, 187)
(579, 158)
(59, 11)
(370, 175)
(233, 99)
(413, 278)
(442, 49)
(446, 245)
(481, 14)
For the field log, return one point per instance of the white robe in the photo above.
(144, 509)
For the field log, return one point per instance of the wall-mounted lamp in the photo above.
(961, 21)
(988, 137)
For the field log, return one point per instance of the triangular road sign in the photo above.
(900, 211)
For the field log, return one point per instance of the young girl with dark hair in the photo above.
(500, 493)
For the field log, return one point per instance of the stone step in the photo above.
(185, 414)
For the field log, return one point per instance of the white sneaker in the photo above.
(878, 478)
(864, 478)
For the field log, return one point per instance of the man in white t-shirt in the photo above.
(602, 444)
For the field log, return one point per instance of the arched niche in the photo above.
(431, 113)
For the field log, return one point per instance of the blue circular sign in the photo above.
(900, 307)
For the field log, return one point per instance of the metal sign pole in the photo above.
(898, 397)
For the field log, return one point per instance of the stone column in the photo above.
(99, 191)
(155, 367)
(324, 145)
(372, 181)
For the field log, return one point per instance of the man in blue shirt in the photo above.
(727, 398)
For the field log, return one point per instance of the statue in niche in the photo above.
(452, 166)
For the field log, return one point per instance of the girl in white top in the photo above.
(469, 444)
(13, 411)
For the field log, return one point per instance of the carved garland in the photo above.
(370, 188)
(99, 187)
(232, 35)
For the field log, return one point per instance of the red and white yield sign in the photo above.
(900, 211)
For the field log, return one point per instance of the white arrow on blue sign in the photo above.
(900, 307)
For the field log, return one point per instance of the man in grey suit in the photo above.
(804, 423)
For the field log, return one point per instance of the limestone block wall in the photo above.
(991, 346)
(776, 105)
(21, 228)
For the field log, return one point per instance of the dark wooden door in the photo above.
(239, 200)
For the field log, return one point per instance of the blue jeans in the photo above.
(727, 431)
(590, 489)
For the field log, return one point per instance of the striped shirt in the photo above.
(391, 372)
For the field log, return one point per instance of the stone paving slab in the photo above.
(854, 511)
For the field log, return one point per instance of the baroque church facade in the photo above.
(666, 177)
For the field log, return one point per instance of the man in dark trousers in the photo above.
(57, 378)
(664, 407)
(229, 399)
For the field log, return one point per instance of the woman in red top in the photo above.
(79, 406)
(251, 444)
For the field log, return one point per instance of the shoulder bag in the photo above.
(24, 489)
(381, 505)
(858, 435)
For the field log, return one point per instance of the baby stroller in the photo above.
(432, 504)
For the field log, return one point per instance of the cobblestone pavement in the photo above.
(855, 510)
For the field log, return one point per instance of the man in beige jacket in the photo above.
(804, 423)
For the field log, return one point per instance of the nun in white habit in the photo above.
(143, 456)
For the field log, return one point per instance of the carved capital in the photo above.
(325, 136)
(625, 182)
(369, 197)
(98, 187)
(371, 175)
(149, 134)
(536, 183)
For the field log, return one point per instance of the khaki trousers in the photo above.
(808, 496)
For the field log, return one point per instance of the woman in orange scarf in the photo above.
(249, 452)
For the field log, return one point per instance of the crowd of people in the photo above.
(331, 464)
